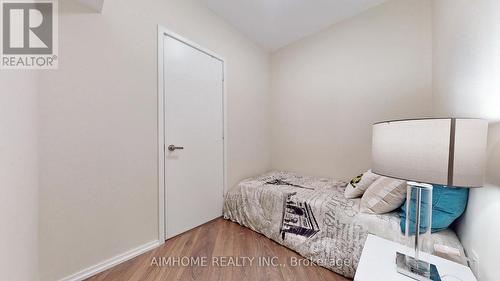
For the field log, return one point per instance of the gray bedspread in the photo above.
(312, 217)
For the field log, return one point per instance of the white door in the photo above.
(194, 168)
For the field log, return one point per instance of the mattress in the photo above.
(311, 216)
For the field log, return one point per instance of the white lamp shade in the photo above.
(450, 152)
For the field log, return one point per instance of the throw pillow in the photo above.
(448, 204)
(383, 196)
(359, 184)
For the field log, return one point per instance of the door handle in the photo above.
(174, 148)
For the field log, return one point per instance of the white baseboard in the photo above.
(107, 264)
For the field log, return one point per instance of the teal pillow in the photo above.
(448, 204)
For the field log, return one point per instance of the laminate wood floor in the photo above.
(218, 242)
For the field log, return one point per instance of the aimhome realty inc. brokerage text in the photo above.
(234, 261)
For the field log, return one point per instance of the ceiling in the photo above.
(276, 23)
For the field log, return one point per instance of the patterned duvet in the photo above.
(312, 217)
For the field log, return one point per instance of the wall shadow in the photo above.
(74, 7)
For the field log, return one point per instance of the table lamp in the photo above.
(444, 151)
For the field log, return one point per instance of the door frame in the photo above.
(162, 32)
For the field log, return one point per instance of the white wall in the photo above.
(329, 88)
(18, 176)
(98, 125)
(466, 83)
(97, 115)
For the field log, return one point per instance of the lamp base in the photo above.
(416, 269)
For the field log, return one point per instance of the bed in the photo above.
(311, 216)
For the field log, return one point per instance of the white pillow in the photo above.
(383, 196)
(360, 184)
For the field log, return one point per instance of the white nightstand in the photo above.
(377, 263)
